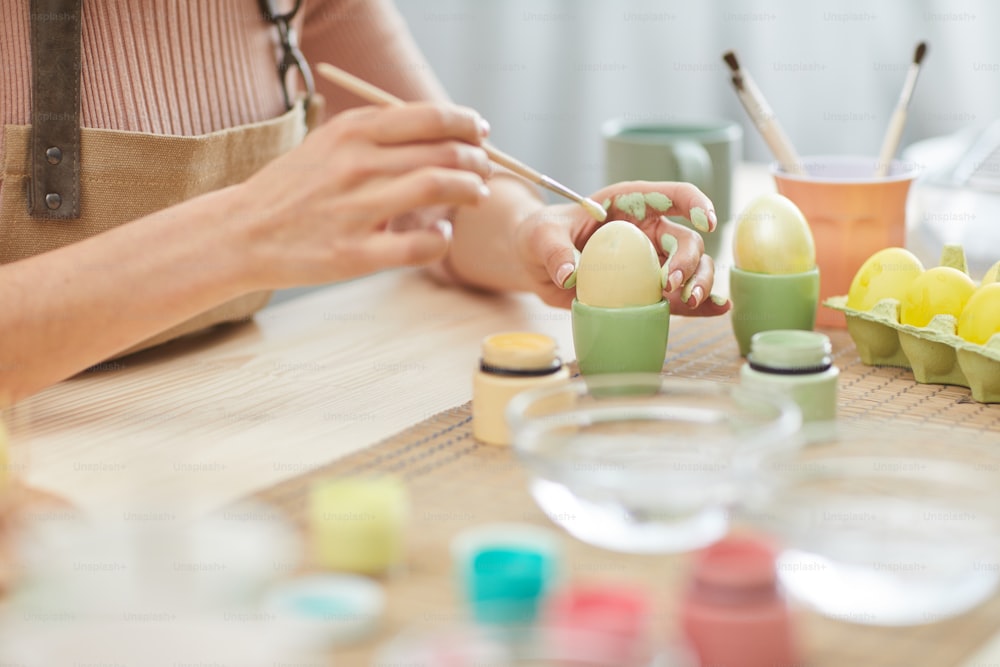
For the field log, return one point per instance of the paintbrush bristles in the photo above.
(595, 210)
(734, 65)
(763, 117)
(919, 54)
(730, 58)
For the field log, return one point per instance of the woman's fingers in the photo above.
(322, 211)
(395, 160)
(382, 199)
(647, 200)
(684, 250)
(553, 246)
(694, 297)
(415, 247)
(697, 287)
(693, 204)
(364, 146)
(420, 122)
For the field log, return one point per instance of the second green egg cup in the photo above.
(765, 302)
(621, 340)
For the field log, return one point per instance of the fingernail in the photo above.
(484, 126)
(718, 299)
(566, 275)
(697, 294)
(699, 219)
(712, 219)
(664, 277)
(676, 278)
(483, 190)
(446, 229)
(686, 292)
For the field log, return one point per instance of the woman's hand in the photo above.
(546, 241)
(319, 213)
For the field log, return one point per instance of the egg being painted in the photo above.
(618, 268)
(773, 237)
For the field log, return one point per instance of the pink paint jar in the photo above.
(599, 624)
(732, 613)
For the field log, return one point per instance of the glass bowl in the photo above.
(640, 463)
(886, 527)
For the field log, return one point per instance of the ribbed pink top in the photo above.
(194, 66)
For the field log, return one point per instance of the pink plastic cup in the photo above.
(852, 215)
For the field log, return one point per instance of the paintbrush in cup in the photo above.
(376, 95)
(895, 130)
(763, 117)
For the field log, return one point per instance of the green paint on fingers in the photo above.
(699, 219)
(669, 244)
(633, 203)
(686, 291)
(570, 281)
(659, 201)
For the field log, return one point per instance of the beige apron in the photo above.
(127, 175)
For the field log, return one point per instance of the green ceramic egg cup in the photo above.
(621, 340)
(765, 302)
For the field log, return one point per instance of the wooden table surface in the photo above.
(209, 421)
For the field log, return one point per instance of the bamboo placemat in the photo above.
(455, 483)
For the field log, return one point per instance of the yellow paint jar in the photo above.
(357, 525)
(511, 363)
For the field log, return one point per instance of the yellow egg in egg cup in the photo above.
(620, 319)
(775, 283)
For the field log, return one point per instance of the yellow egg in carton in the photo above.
(902, 316)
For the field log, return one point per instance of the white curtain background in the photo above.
(546, 73)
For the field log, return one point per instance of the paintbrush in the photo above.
(763, 117)
(376, 95)
(895, 130)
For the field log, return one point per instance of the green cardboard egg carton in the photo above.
(934, 353)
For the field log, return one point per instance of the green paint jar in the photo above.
(798, 364)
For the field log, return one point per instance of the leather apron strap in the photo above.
(54, 187)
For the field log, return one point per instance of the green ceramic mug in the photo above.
(621, 340)
(765, 302)
(704, 153)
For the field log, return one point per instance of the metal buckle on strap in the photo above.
(291, 55)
